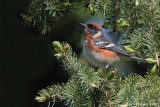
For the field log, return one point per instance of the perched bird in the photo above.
(100, 51)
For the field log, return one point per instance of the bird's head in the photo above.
(92, 28)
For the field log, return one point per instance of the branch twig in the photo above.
(104, 7)
(157, 62)
(74, 90)
(139, 46)
(74, 69)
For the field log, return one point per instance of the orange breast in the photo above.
(107, 54)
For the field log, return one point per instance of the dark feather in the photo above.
(101, 42)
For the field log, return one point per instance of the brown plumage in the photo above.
(99, 51)
(96, 25)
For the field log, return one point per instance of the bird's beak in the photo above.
(84, 25)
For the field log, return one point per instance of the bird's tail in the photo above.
(139, 59)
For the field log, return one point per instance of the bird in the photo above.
(100, 51)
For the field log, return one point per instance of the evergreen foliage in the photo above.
(138, 24)
(88, 87)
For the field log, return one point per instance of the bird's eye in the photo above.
(91, 26)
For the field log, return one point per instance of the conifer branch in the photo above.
(110, 103)
(115, 16)
(138, 23)
(74, 91)
(157, 61)
(110, 94)
(139, 46)
(104, 7)
(74, 69)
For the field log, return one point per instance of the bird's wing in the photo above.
(103, 43)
